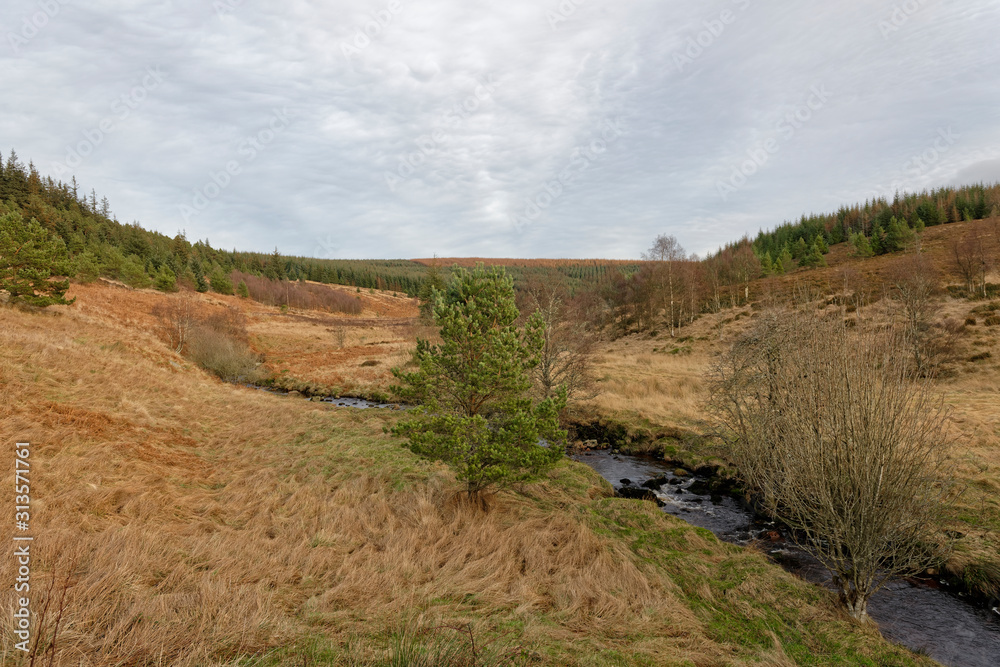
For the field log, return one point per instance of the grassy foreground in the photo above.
(182, 521)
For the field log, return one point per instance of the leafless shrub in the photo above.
(297, 294)
(972, 260)
(176, 318)
(565, 357)
(841, 440)
(230, 359)
(229, 321)
(915, 286)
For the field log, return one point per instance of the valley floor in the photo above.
(182, 521)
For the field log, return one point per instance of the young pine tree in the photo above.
(785, 261)
(28, 260)
(242, 289)
(862, 248)
(220, 281)
(476, 413)
(165, 279)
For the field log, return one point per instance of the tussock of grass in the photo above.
(198, 523)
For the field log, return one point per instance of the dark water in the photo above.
(921, 614)
(346, 402)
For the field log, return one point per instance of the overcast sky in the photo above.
(522, 128)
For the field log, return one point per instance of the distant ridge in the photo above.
(508, 261)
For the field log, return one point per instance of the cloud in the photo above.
(421, 128)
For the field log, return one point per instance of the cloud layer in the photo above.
(580, 128)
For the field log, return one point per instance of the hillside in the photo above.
(192, 522)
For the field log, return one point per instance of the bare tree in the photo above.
(840, 440)
(177, 319)
(972, 260)
(915, 285)
(668, 255)
(565, 354)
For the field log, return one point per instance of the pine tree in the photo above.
(821, 243)
(898, 236)
(165, 279)
(785, 260)
(799, 249)
(813, 258)
(433, 283)
(242, 289)
(219, 281)
(476, 413)
(862, 248)
(766, 264)
(877, 240)
(29, 258)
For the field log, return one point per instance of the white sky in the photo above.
(618, 98)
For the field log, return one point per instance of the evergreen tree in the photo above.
(813, 258)
(785, 260)
(877, 240)
(821, 243)
(799, 249)
(476, 413)
(766, 264)
(862, 248)
(242, 289)
(166, 279)
(219, 281)
(28, 260)
(133, 273)
(898, 236)
(433, 283)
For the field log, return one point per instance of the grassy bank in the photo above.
(183, 521)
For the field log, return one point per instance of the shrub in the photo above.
(297, 294)
(839, 438)
(230, 359)
(992, 320)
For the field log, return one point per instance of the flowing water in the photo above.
(921, 614)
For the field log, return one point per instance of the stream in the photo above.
(920, 613)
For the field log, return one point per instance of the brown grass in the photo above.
(213, 522)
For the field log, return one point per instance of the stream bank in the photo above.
(923, 613)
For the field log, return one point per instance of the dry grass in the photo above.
(209, 522)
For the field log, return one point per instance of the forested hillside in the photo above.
(624, 294)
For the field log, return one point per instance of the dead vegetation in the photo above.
(216, 525)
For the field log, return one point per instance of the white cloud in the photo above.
(554, 85)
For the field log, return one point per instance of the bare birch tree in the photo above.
(668, 255)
